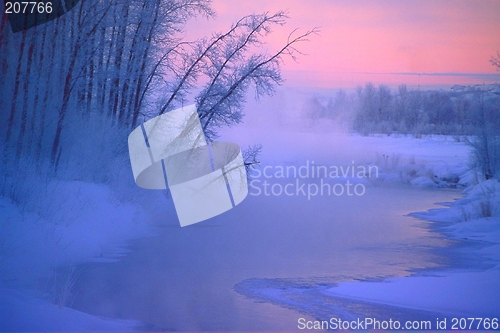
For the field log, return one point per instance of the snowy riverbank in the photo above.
(466, 293)
(468, 286)
(90, 223)
(474, 219)
(39, 255)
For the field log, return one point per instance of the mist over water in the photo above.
(185, 278)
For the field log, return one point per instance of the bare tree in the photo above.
(116, 60)
(485, 154)
(225, 94)
(495, 61)
(227, 64)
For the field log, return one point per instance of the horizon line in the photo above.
(401, 73)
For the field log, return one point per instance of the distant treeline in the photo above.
(371, 109)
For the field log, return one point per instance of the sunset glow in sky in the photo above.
(378, 36)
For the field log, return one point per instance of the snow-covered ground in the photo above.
(38, 256)
(466, 293)
(21, 312)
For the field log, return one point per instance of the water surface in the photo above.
(184, 278)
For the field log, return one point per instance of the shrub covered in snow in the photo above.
(485, 152)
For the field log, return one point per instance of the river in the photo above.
(184, 278)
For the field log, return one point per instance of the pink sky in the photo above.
(377, 36)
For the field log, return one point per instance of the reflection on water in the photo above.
(185, 278)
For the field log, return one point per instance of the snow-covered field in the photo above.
(88, 223)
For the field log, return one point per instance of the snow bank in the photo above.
(463, 294)
(431, 161)
(78, 222)
(20, 312)
(482, 202)
(86, 223)
(467, 293)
